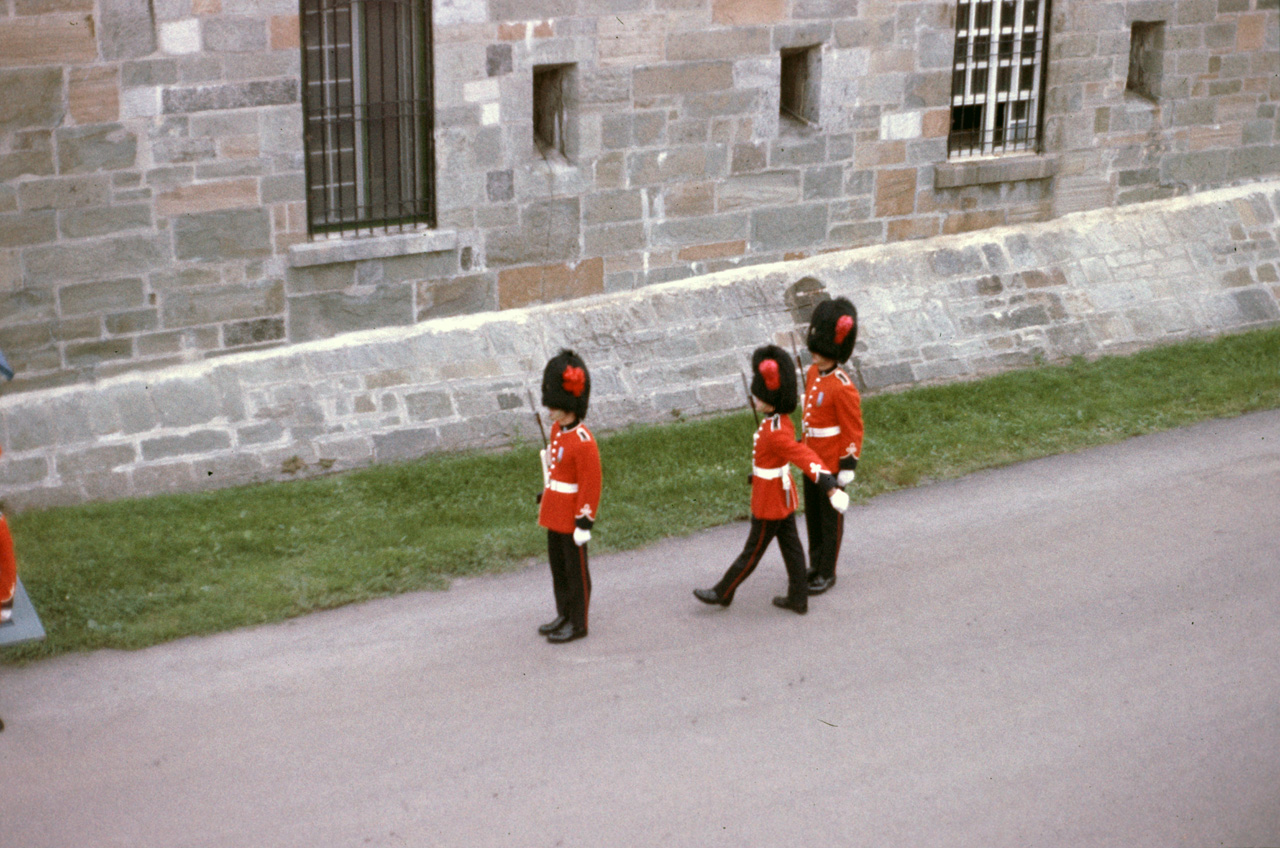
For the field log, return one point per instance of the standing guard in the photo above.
(832, 427)
(8, 572)
(571, 493)
(8, 565)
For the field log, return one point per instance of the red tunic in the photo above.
(8, 565)
(772, 494)
(573, 490)
(832, 416)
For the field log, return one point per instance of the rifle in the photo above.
(536, 417)
(799, 385)
(747, 388)
(542, 455)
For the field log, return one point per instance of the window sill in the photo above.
(1002, 169)
(329, 251)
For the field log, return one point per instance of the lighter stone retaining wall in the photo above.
(942, 309)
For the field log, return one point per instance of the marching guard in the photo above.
(832, 427)
(571, 493)
(773, 496)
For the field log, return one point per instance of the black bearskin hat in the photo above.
(773, 378)
(833, 329)
(566, 384)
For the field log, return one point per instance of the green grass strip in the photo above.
(129, 574)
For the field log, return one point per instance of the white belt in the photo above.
(565, 488)
(823, 432)
(773, 474)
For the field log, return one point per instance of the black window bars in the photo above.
(997, 79)
(367, 108)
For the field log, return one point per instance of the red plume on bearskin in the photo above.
(843, 326)
(566, 383)
(774, 378)
(769, 370)
(575, 380)
(833, 329)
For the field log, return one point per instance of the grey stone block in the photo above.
(953, 263)
(98, 147)
(184, 402)
(705, 230)
(132, 406)
(188, 308)
(234, 35)
(771, 188)
(1256, 306)
(222, 235)
(33, 98)
(253, 332)
(728, 43)
(99, 297)
(613, 206)
(126, 29)
(80, 463)
(267, 432)
(426, 406)
(614, 239)
(500, 186)
(794, 227)
(1253, 162)
(23, 472)
(823, 183)
(457, 296)
(886, 376)
(199, 442)
(86, 223)
(90, 354)
(498, 60)
(401, 445)
(321, 316)
(29, 228)
(549, 232)
(240, 95)
(167, 477)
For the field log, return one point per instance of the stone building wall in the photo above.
(932, 310)
(152, 189)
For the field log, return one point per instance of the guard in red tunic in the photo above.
(773, 495)
(8, 564)
(571, 496)
(8, 572)
(832, 427)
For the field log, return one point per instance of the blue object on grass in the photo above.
(25, 625)
(6, 370)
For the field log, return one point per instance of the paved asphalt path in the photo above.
(1077, 651)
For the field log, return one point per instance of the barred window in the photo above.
(366, 75)
(997, 78)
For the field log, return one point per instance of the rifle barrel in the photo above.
(536, 417)
(747, 388)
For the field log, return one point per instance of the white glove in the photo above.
(546, 471)
(844, 478)
(839, 500)
(581, 537)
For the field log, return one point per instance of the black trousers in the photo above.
(826, 530)
(758, 539)
(570, 578)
